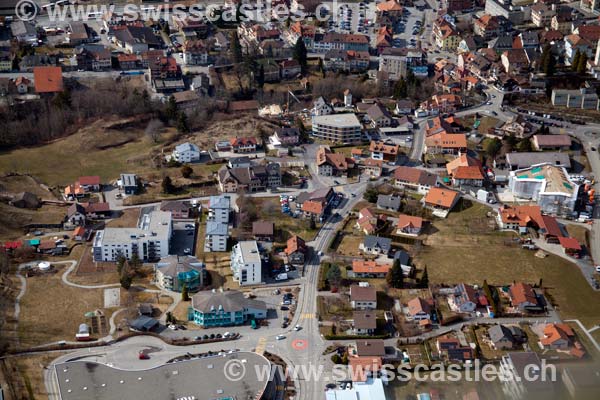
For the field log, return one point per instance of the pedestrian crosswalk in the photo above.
(260, 346)
(307, 316)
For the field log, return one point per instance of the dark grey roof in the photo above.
(402, 256)
(389, 201)
(173, 205)
(172, 265)
(143, 323)
(371, 241)
(500, 332)
(228, 301)
(199, 378)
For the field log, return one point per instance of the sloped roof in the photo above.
(441, 197)
(48, 79)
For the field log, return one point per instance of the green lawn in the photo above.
(465, 249)
(63, 161)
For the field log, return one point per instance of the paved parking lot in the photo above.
(183, 238)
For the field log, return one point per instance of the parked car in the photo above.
(279, 337)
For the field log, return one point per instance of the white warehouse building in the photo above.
(150, 240)
(549, 185)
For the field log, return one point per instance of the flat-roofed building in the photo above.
(246, 263)
(548, 185)
(87, 380)
(339, 128)
(150, 240)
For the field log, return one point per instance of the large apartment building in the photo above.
(246, 263)
(217, 224)
(338, 128)
(150, 240)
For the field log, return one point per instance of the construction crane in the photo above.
(290, 94)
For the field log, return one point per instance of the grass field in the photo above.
(63, 161)
(13, 219)
(52, 311)
(464, 249)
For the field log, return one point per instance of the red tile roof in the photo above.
(48, 79)
(369, 267)
(441, 197)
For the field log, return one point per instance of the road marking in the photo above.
(260, 346)
(307, 316)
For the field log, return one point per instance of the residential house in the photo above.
(371, 167)
(367, 221)
(542, 14)
(440, 199)
(219, 209)
(505, 337)
(128, 183)
(557, 337)
(404, 107)
(445, 35)
(98, 210)
(574, 44)
(178, 209)
(263, 230)
(370, 348)
(379, 116)
(195, 52)
(389, 202)
(490, 26)
(551, 142)
(369, 269)
(363, 297)
(128, 61)
(136, 38)
(404, 259)
(90, 183)
(246, 263)
(79, 234)
(289, 69)
(73, 192)
(332, 164)
(515, 61)
(76, 214)
(452, 350)
(252, 179)
(364, 323)
(314, 209)
(442, 103)
(376, 245)
(384, 151)
(243, 144)
(286, 136)
(468, 176)
(420, 309)
(47, 80)
(24, 31)
(409, 225)
(296, 250)
(215, 236)
(186, 152)
(321, 107)
(224, 308)
(346, 61)
(523, 297)
(466, 299)
(415, 179)
(462, 160)
(176, 272)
